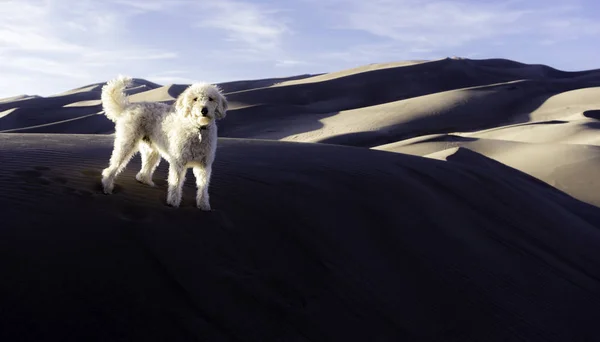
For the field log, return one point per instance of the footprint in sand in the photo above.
(92, 173)
(33, 177)
(39, 176)
(134, 213)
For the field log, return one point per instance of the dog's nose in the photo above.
(204, 111)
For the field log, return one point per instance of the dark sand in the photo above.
(306, 243)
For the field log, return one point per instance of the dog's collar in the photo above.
(201, 128)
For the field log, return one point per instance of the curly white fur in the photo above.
(113, 97)
(184, 133)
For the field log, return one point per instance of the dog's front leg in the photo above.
(202, 175)
(176, 179)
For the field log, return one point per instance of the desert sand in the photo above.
(445, 200)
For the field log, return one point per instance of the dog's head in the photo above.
(203, 103)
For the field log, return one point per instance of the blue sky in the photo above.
(49, 46)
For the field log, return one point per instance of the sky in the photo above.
(51, 46)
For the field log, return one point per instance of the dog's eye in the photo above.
(210, 99)
(195, 99)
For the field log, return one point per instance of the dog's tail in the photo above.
(113, 97)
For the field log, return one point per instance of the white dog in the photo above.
(185, 134)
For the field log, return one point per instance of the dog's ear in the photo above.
(183, 105)
(221, 110)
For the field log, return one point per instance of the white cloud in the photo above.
(118, 56)
(13, 38)
(374, 53)
(72, 41)
(162, 6)
(547, 42)
(48, 67)
(446, 24)
(290, 63)
(145, 5)
(250, 25)
(90, 41)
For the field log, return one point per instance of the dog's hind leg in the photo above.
(176, 179)
(123, 150)
(150, 160)
(202, 174)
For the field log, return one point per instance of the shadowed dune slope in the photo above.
(307, 242)
(560, 144)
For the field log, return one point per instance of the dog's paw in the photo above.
(107, 188)
(173, 203)
(144, 180)
(204, 206)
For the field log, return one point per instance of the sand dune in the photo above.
(571, 168)
(306, 242)
(18, 98)
(367, 107)
(463, 207)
